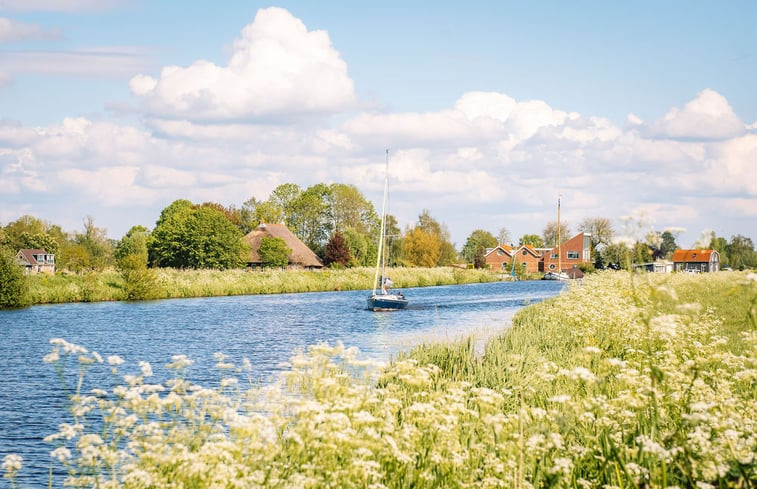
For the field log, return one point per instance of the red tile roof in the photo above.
(692, 256)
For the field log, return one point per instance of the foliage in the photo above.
(133, 243)
(600, 228)
(644, 388)
(616, 255)
(140, 283)
(661, 245)
(420, 248)
(274, 252)
(532, 239)
(90, 250)
(361, 247)
(476, 245)
(14, 289)
(350, 210)
(189, 236)
(741, 254)
(503, 236)
(337, 251)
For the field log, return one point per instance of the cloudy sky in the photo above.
(114, 109)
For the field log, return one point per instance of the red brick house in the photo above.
(696, 261)
(575, 251)
(499, 257)
(36, 261)
(528, 258)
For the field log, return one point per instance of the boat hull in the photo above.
(386, 302)
(556, 276)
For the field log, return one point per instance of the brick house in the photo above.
(575, 251)
(528, 258)
(499, 257)
(696, 261)
(36, 261)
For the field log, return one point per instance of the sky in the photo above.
(641, 112)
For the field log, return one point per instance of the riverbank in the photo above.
(171, 283)
(624, 381)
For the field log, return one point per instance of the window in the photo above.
(554, 255)
(499, 252)
(551, 266)
(524, 264)
(572, 255)
(524, 252)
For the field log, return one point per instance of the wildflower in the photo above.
(12, 463)
(51, 357)
(179, 362)
(146, 369)
(592, 349)
(560, 399)
(61, 454)
(115, 360)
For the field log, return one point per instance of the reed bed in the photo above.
(172, 283)
(623, 381)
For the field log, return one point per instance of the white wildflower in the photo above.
(592, 349)
(146, 368)
(12, 463)
(51, 357)
(179, 362)
(61, 454)
(115, 360)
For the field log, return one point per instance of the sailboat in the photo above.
(559, 274)
(382, 299)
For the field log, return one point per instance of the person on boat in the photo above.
(386, 284)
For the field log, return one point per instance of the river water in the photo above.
(266, 329)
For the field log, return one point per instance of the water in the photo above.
(265, 329)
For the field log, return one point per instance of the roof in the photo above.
(507, 249)
(29, 253)
(693, 256)
(300, 255)
(532, 250)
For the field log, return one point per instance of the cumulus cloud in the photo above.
(709, 116)
(278, 68)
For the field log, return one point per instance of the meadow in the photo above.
(168, 283)
(621, 381)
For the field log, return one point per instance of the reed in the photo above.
(622, 381)
(172, 283)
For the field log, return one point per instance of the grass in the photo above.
(623, 381)
(171, 283)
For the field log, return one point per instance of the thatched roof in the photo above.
(301, 255)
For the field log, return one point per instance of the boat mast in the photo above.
(559, 252)
(380, 257)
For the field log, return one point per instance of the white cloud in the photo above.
(709, 116)
(12, 31)
(278, 69)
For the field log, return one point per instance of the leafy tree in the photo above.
(668, 244)
(14, 288)
(533, 240)
(188, 236)
(361, 247)
(274, 252)
(479, 261)
(720, 244)
(31, 232)
(420, 248)
(741, 252)
(337, 251)
(550, 233)
(310, 218)
(131, 261)
(134, 243)
(96, 243)
(476, 245)
(350, 209)
(76, 257)
(616, 255)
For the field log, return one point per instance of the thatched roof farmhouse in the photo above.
(300, 257)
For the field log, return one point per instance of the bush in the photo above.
(14, 289)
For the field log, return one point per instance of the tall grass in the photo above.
(172, 283)
(621, 382)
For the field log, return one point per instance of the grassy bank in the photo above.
(623, 381)
(171, 283)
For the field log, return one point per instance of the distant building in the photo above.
(300, 257)
(573, 252)
(696, 261)
(36, 261)
(499, 257)
(658, 266)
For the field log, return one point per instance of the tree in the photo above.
(421, 248)
(131, 261)
(720, 244)
(600, 228)
(188, 236)
(310, 218)
(350, 209)
(274, 252)
(443, 249)
(533, 240)
(362, 249)
(550, 233)
(741, 252)
(14, 289)
(476, 245)
(616, 255)
(134, 243)
(504, 236)
(337, 251)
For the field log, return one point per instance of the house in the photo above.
(36, 261)
(696, 261)
(529, 258)
(658, 266)
(499, 257)
(570, 254)
(300, 257)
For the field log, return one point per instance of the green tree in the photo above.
(274, 252)
(420, 248)
(600, 228)
(362, 249)
(741, 252)
(134, 243)
(533, 240)
(337, 251)
(476, 245)
(348, 208)
(188, 236)
(95, 242)
(616, 255)
(310, 218)
(140, 283)
(720, 244)
(14, 288)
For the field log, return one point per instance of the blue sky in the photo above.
(490, 109)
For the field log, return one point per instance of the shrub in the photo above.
(14, 288)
